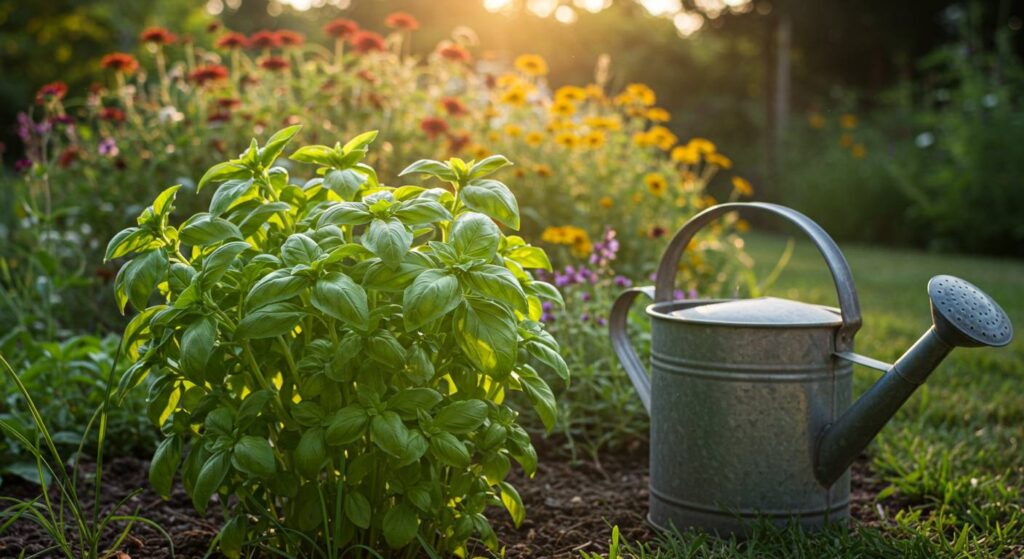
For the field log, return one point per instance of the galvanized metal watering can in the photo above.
(750, 400)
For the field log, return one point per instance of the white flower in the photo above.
(924, 139)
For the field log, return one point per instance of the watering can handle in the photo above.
(624, 348)
(848, 304)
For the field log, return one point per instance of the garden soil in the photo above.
(570, 507)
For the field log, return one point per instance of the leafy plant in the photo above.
(337, 355)
(75, 528)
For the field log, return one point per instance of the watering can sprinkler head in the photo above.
(962, 316)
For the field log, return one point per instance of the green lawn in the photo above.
(954, 455)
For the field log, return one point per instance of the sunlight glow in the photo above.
(542, 8)
(566, 15)
(662, 7)
(300, 5)
(497, 5)
(593, 6)
(688, 23)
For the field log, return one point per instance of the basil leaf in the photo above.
(339, 297)
(475, 236)
(433, 294)
(492, 198)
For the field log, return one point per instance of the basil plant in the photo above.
(335, 359)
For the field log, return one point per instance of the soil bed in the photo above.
(570, 507)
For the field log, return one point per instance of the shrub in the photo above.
(335, 357)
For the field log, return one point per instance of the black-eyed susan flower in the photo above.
(606, 202)
(848, 121)
(534, 139)
(594, 139)
(543, 170)
(662, 137)
(513, 130)
(208, 73)
(571, 93)
(53, 91)
(718, 160)
(289, 38)
(274, 63)
(859, 151)
(515, 96)
(531, 65)
(265, 39)
(657, 114)
(454, 106)
(563, 108)
(656, 183)
(702, 145)
(846, 140)
(566, 139)
(687, 155)
(742, 186)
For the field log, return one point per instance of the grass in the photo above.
(953, 457)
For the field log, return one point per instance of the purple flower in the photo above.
(585, 317)
(24, 127)
(623, 281)
(693, 293)
(108, 147)
(22, 165)
(585, 296)
(601, 321)
(678, 295)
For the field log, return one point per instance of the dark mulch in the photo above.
(571, 507)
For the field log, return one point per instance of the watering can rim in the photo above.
(759, 312)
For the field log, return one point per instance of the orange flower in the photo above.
(848, 121)
(232, 40)
(455, 53)
(208, 73)
(453, 106)
(859, 151)
(274, 63)
(402, 20)
(120, 62)
(290, 38)
(341, 28)
(265, 39)
(368, 41)
(157, 36)
(433, 126)
(53, 91)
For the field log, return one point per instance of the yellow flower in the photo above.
(506, 81)
(543, 170)
(702, 145)
(563, 108)
(742, 186)
(636, 93)
(491, 111)
(642, 140)
(516, 96)
(571, 93)
(594, 139)
(662, 137)
(478, 151)
(816, 120)
(859, 151)
(656, 183)
(606, 202)
(688, 155)
(571, 236)
(595, 91)
(534, 139)
(531, 65)
(848, 121)
(514, 130)
(493, 136)
(611, 123)
(719, 160)
(658, 114)
(566, 139)
(846, 140)
(554, 235)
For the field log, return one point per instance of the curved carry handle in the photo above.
(622, 346)
(848, 304)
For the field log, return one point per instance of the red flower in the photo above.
(368, 41)
(433, 126)
(265, 40)
(274, 64)
(232, 40)
(458, 142)
(229, 103)
(157, 36)
(290, 38)
(368, 76)
(208, 73)
(213, 26)
(120, 62)
(658, 232)
(341, 28)
(219, 116)
(53, 91)
(113, 114)
(402, 20)
(454, 106)
(455, 53)
(68, 156)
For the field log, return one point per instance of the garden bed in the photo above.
(571, 507)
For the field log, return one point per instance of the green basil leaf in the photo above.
(254, 456)
(261, 215)
(419, 368)
(474, 235)
(382, 346)
(549, 357)
(203, 229)
(449, 450)
(389, 433)
(164, 202)
(486, 333)
(513, 503)
(197, 346)
(339, 297)
(127, 241)
(311, 453)
(529, 257)
(488, 165)
(229, 193)
(345, 213)
(496, 282)
(279, 285)
(388, 239)
(142, 275)
(268, 321)
(495, 467)
(381, 277)
(299, 249)
(546, 291)
(211, 476)
(217, 263)
(232, 537)
(400, 526)
(430, 167)
(360, 141)
(492, 198)
(276, 144)
(345, 182)
(433, 294)
(461, 416)
(347, 426)
(412, 400)
(165, 463)
(422, 210)
(358, 509)
(540, 396)
(230, 170)
(320, 155)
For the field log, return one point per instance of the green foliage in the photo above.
(351, 351)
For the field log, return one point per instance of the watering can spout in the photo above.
(962, 316)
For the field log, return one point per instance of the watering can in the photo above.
(750, 399)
